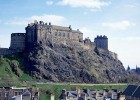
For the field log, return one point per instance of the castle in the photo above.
(40, 33)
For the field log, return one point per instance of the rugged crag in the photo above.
(64, 63)
(60, 54)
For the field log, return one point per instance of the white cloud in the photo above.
(85, 30)
(55, 19)
(49, 18)
(118, 25)
(18, 21)
(92, 4)
(130, 5)
(49, 2)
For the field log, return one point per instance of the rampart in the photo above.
(17, 41)
(6, 51)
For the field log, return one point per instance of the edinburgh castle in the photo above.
(40, 33)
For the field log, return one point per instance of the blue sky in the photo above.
(118, 19)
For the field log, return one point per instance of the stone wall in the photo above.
(101, 42)
(88, 44)
(17, 41)
(6, 51)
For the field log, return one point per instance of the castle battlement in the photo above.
(101, 37)
(18, 34)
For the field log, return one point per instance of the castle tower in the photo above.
(17, 41)
(38, 33)
(31, 34)
(101, 42)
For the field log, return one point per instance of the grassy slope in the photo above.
(7, 75)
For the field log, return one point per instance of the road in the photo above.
(79, 84)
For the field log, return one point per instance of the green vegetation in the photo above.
(44, 95)
(7, 77)
(12, 70)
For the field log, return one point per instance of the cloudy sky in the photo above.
(118, 19)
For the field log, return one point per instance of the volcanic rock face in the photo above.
(64, 63)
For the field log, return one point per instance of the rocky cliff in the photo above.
(64, 63)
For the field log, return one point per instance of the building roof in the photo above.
(60, 28)
(18, 97)
(72, 94)
(76, 31)
(137, 92)
(130, 90)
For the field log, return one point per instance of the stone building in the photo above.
(22, 93)
(17, 41)
(17, 44)
(86, 94)
(101, 42)
(42, 32)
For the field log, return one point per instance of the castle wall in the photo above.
(3, 51)
(6, 51)
(17, 41)
(101, 42)
(31, 37)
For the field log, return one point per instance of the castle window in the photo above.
(16, 93)
(63, 34)
(68, 35)
(55, 33)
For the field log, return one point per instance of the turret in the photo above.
(101, 42)
(17, 41)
